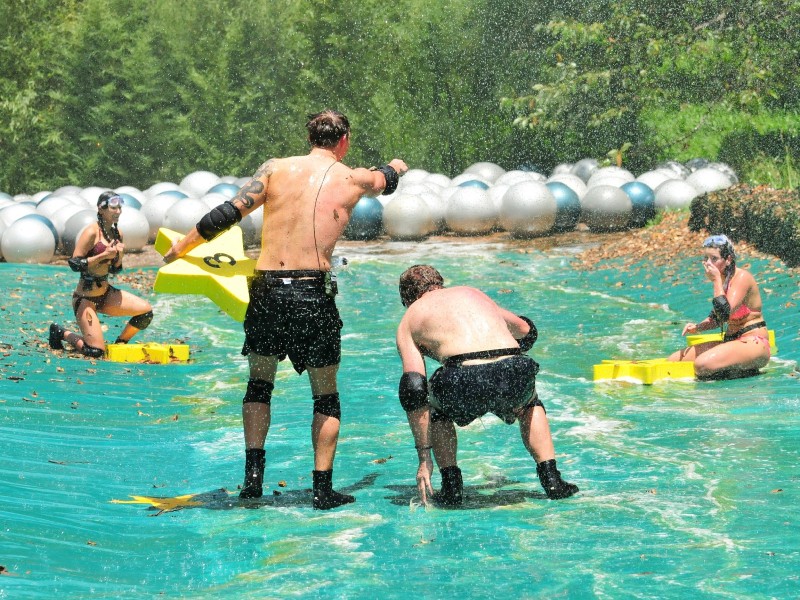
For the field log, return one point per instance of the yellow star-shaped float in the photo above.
(163, 504)
(217, 269)
(216, 499)
(702, 338)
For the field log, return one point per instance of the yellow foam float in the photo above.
(217, 269)
(218, 499)
(702, 338)
(148, 353)
(645, 371)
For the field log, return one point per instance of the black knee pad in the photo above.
(141, 321)
(93, 352)
(328, 405)
(259, 390)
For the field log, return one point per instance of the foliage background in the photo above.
(131, 92)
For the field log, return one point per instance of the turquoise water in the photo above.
(688, 489)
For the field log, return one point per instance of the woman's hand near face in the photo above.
(711, 270)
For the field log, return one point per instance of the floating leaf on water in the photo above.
(423, 541)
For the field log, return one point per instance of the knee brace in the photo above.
(259, 390)
(141, 321)
(93, 352)
(328, 405)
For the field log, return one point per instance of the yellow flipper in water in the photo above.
(217, 269)
(702, 338)
(645, 371)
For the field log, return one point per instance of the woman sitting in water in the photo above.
(98, 253)
(736, 302)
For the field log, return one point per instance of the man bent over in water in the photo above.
(480, 346)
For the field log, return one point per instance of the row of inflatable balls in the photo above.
(484, 198)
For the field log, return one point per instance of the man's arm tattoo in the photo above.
(254, 186)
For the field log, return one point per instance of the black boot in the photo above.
(325, 497)
(551, 481)
(452, 492)
(254, 462)
(119, 340)
(56, 337)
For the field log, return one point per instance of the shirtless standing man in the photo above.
(307, 203)
(481, 348)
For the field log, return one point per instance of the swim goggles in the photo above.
(719, 241)
(113, 202)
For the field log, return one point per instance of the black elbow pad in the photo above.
(722, 308)
(78, 264)
(413, 391)
(530, 338)
(217, 220)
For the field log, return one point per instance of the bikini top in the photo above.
(99, 248)
(740, 313)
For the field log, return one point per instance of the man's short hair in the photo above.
(326, 128)
(418, 280)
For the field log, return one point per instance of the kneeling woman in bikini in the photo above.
(737, 303)
(98, 253)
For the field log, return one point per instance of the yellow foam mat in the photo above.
(148, 353)
(217, 269)
(702, 338)
(646, 371)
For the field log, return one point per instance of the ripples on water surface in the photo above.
(687, 489)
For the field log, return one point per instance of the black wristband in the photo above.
(392, 178)
(423, 447)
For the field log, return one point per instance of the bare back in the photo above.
(450, 321)
(307, 204)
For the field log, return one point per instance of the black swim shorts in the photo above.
(464, 393)
(293, 317)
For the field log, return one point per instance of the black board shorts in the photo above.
(297, 318)
(504, 387)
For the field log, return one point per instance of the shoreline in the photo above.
(658, 245)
